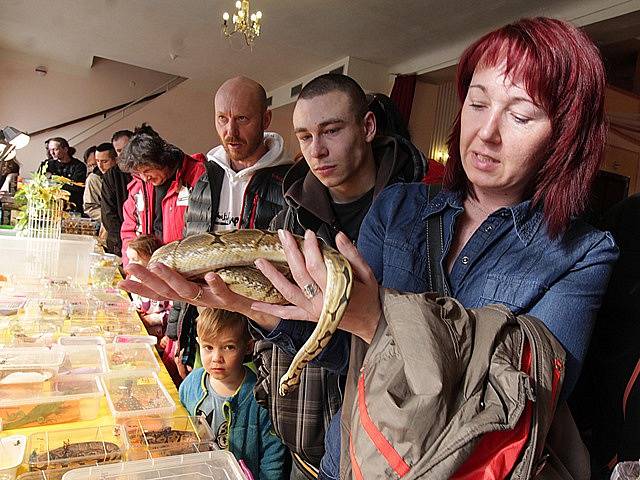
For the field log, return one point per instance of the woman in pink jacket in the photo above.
(163, 177)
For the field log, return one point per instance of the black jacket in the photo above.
(614, 351)
(75, 171)
(262, 201)
(301, 418)
(113, 195)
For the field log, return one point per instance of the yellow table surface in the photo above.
(104, 416)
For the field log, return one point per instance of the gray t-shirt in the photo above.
(213, 409)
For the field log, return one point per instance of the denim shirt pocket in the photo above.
(515, 292)
(404, 267)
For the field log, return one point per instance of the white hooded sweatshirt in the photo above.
(232, 193)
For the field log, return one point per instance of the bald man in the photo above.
(242, 187)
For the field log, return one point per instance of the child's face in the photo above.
(134, 257)
(222, 357)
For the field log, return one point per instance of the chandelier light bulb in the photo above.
(235, 19)
(258, 14)
(241, 13)
(253, 17)
(225, 16)
(238, 4)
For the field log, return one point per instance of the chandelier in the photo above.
(243, 21)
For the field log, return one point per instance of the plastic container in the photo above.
(148, 339)
(130, 357)
(11, 306)
(45, 308)
(50, 402)
(162, 437)
(19, 364)
(102, 269)
(216, 465)
(75, 448)
(83, 361)
(81, 340)
(11, 454)
(39, 258)
(29, 333)
(137, 396)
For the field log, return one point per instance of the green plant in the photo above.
(38, 194)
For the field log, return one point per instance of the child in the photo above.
(154, 313)
(222, 391)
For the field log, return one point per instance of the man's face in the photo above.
(334, 142)
(104, 161)
(153, 174)
(240, 123)
(120, 143)
(58, 152)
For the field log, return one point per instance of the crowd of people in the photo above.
(504, 228)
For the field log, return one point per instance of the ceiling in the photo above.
(298, 37)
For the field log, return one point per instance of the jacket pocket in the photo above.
(516, 292)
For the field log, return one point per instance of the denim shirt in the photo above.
(510, 259)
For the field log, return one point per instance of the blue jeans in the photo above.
(330, 463)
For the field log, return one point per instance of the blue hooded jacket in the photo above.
(251, 435)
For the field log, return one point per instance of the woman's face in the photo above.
(503, 135)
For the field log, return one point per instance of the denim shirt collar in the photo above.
(526, 220)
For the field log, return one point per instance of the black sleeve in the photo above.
(109, 213)
(172, 323)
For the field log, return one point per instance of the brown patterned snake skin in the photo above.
(196, 255)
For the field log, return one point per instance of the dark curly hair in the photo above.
(147, 148)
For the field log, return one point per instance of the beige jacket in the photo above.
(437, 377)
(92, 195)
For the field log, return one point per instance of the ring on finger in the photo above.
(197, 296)
(310, 290)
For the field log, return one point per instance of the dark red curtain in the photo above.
(402, 94)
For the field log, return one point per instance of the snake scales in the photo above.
(229, 253)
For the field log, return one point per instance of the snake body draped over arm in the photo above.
(232, 254)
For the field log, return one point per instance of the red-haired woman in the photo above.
(525, 148)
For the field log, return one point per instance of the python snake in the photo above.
(230, 252)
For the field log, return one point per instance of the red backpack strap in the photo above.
(627, 391)
(393, 458)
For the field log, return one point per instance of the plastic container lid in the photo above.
(75, 448)
(130, 357)
(216, 465)
(11, 454)
(148, 339)
(81, 340)
(132, 395)
(83, 361)
(29, 359)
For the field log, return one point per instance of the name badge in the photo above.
(183, 197)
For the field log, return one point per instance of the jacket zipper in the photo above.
(244, 201)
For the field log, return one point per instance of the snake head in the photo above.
(287, 385)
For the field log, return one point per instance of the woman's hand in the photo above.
(307, 267)
(160, 282)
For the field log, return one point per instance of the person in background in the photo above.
(113, 195)
(222, 392)
(89, 157)
(159, 193)
(105, 158)
(63, 164)
(9, 171)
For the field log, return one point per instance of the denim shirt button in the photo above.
(465, 260)
(488, 229)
